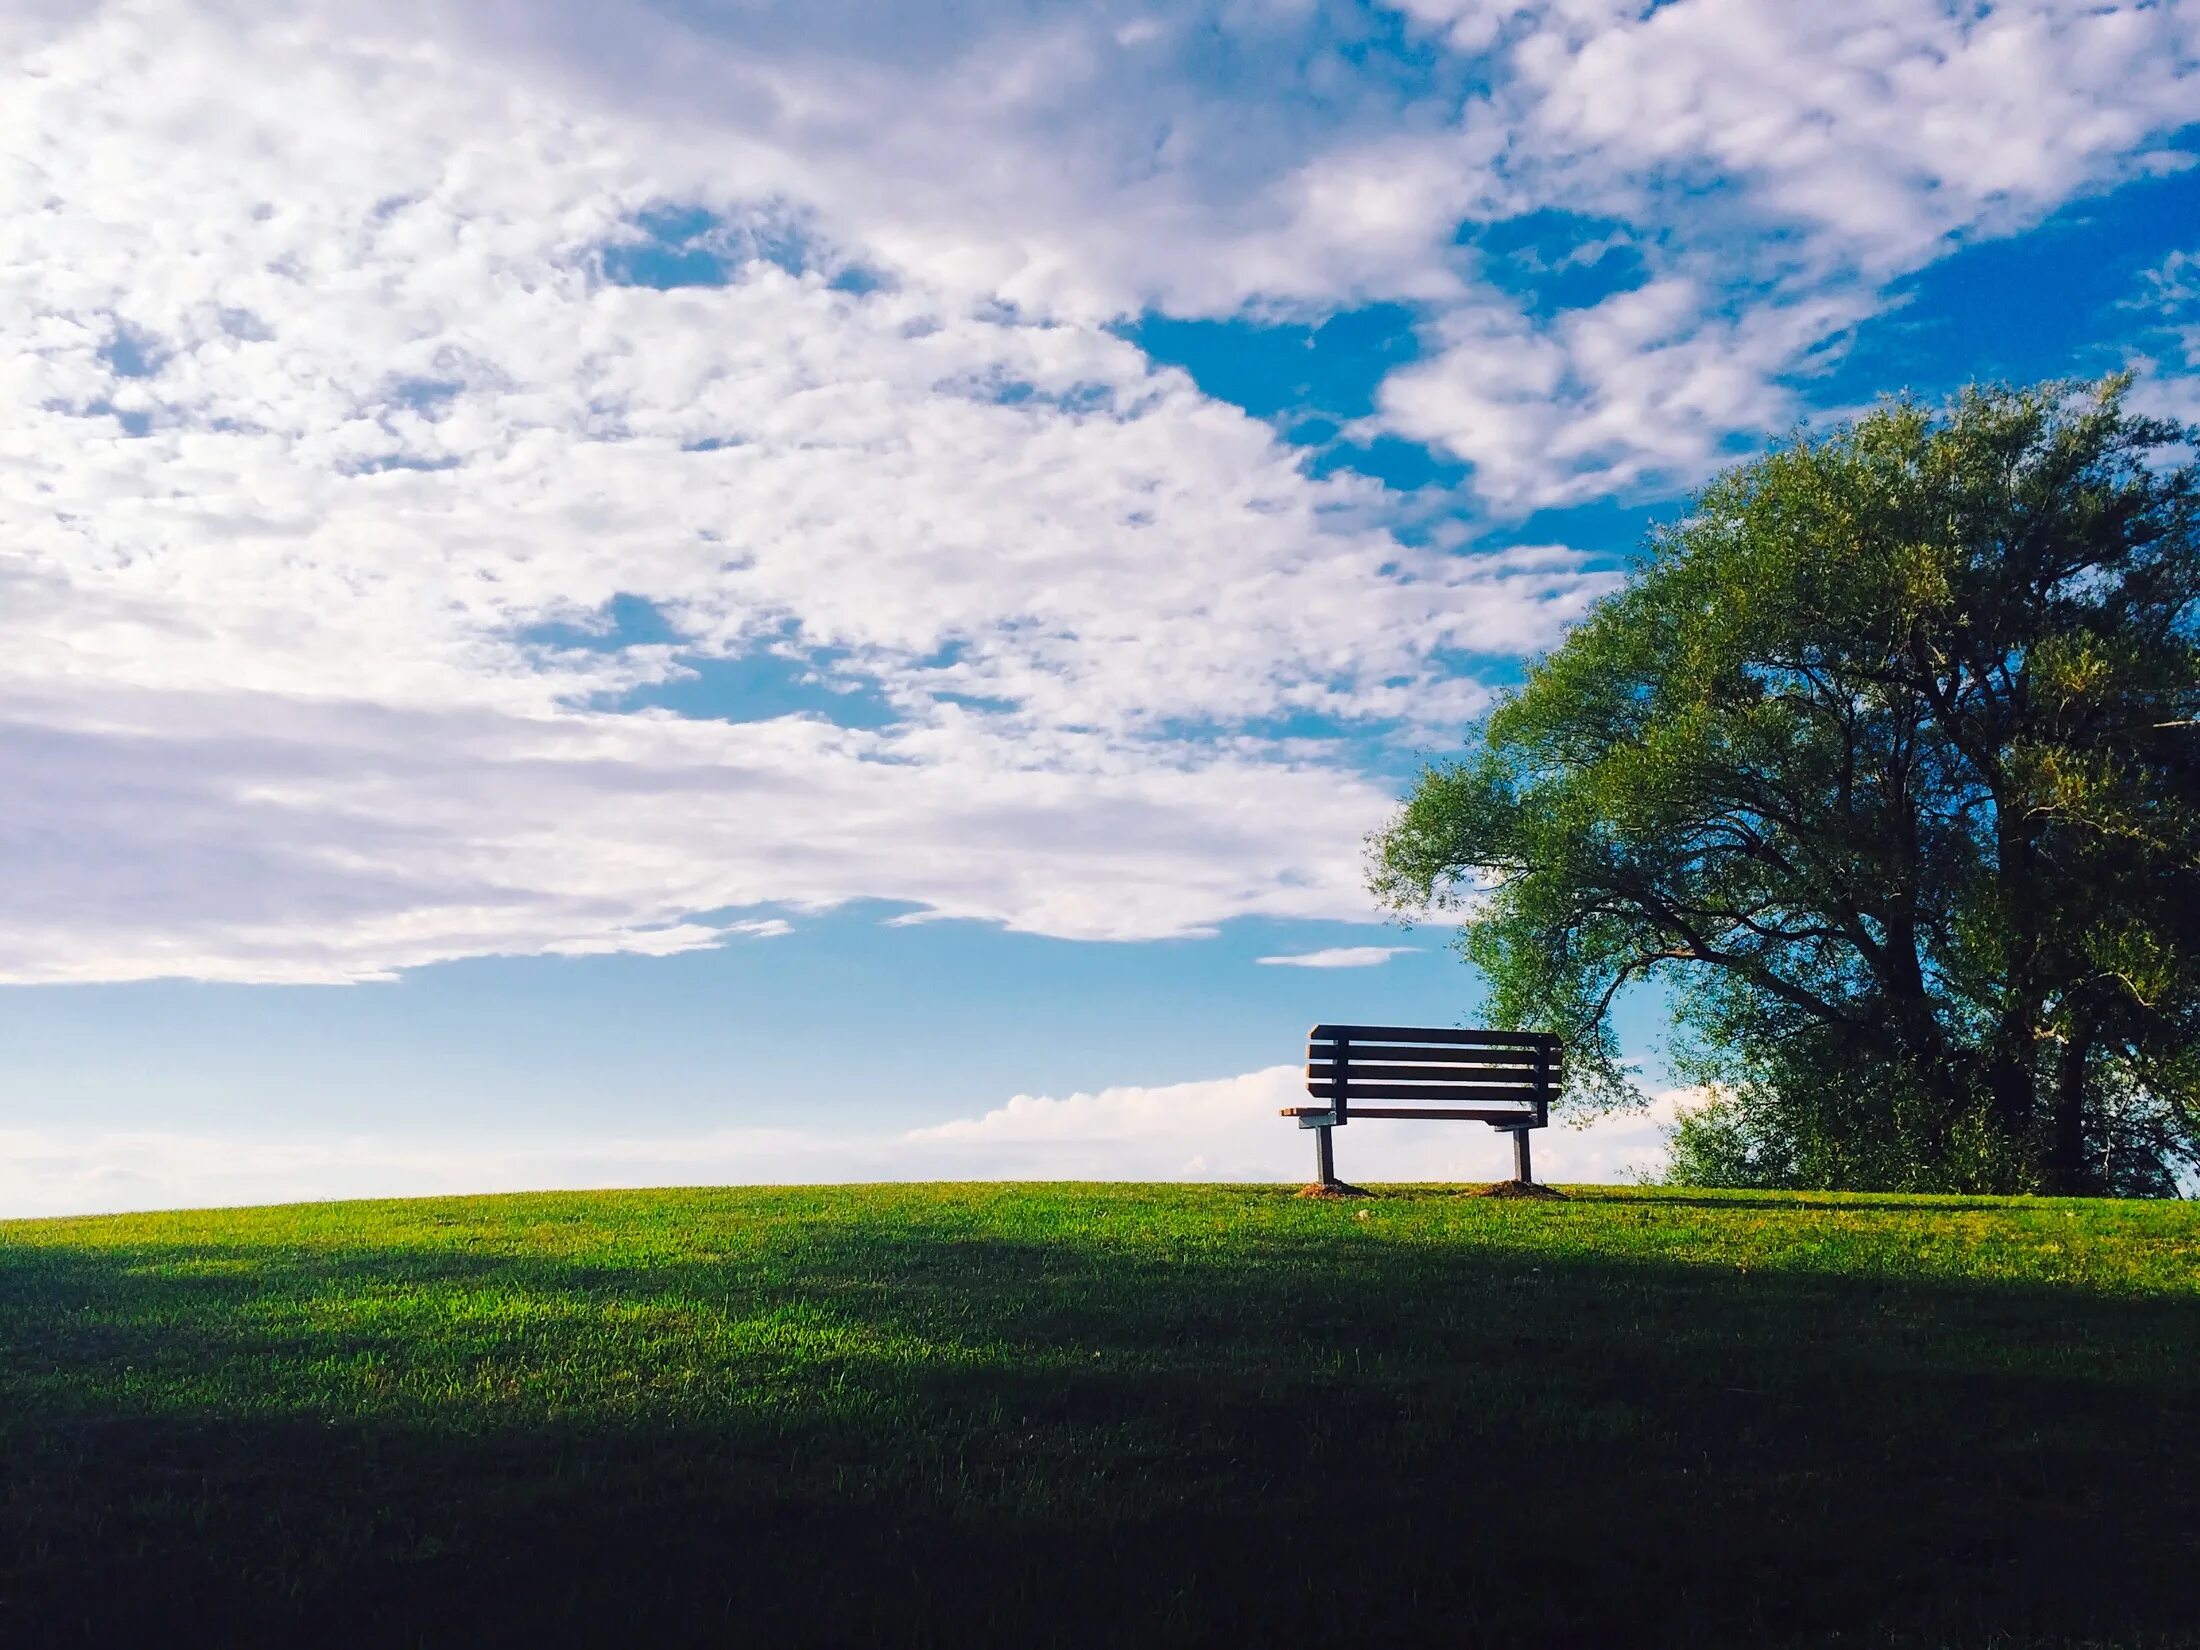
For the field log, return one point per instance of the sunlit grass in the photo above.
(1067, 1413)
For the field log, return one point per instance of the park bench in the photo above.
(1503, 1078)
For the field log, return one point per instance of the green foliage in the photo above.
(1103, 1415)
(1885, 762)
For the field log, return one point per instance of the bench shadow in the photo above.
(930, 1437)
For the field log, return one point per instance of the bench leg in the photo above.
(1325, 1163)
(1521, 1171)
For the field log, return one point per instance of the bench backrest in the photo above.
(1481, 1076)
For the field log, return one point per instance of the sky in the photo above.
(620, 592)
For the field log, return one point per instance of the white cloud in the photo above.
(1340, 956)
(1227, 1129)
(1882, 127)
(2168, 297)
(1646, 388)
(316, 408)
(669, 940)
(235, 837)
(1066, 161)
(273, 670)
(1784, 162)
(2171, 290)
(1808, 154)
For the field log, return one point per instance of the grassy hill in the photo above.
(1104, 1414)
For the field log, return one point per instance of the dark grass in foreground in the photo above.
(1104, 1414)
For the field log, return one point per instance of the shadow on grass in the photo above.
(916, 1437)
(1790, 1203)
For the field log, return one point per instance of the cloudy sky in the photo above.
(617, 590)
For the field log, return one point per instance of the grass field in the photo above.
(1101, 1415)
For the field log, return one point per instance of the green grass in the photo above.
(1104, 1414)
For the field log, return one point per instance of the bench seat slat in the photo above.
(1427, 1034)
(1438, 1053)
(1448, 1114)
(1356, 1091)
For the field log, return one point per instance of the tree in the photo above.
(1885, 762)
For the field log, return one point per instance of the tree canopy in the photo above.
(1885, 763)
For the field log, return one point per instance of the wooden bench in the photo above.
(1503, 1078)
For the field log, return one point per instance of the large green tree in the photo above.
(1884, 762)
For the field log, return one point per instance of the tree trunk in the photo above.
(2068, 1171)
(2011, 1097)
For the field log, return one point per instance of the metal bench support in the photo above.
(1521, 1171)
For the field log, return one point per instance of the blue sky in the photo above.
(622, 592)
